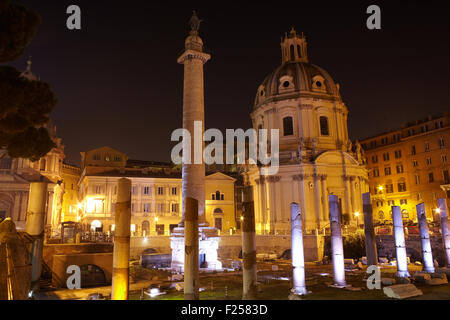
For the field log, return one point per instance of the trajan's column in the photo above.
(193, 172)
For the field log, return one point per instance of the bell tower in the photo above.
(293, 47)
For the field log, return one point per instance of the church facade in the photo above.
(316, 156)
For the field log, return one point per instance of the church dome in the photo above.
(296, 76)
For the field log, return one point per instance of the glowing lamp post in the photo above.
(356, 216)
(442, 210)
(425, 238)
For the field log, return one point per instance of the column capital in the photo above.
(193, 55)
(323, 177)
(273, 178)
(300, 177)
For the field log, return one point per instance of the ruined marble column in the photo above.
(428, 265)
(442, 203)
(249, 290)
(191, 257)
(400, 244)
(297, 253)
(121, 257)
(35, 227)
(337, 248)
(369, 231)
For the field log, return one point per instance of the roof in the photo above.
(302, 74)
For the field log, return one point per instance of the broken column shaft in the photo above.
(35, 227)
(120, 277)
(191, 257)
(249, 281)
(297, 253)
(425, 238)
(337, 248)
(369, 232)
(442, 203)
(400, 244)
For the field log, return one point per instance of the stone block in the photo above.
(402, 280)
(402, 291)
(444, 270)
(388, 281)
(421, 277)
(436, 281)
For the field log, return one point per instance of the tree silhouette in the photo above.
(25, 104)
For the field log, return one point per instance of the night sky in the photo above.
(118, 83)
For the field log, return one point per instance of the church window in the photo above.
(286, 84)
(288, 127)
(318, 84)
(299, 53)
(262, 93)
(292, 52)
(324, 130)
(430, 177)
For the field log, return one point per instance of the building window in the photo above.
(133, 207)
(175, 207)
(107, 157)
(428, 161)
(413, 149)
(288, 126)
(133, 190)
(446, 177)
(43, 164)
(391, 203)
(374, 159)
(441, 143)
(410, 132)
(427, 147)
(386, 156)
(160, 207)
(417, 178)
(430, 177)
(98, 189)
(160, 190)
(387, 171)
(399, 168)
(403, 201)
(146, 190)
(424, 128)
(96, 156)
(324, 130)
(146, 207)
(292, 50)
(444, 158)
(117, 158)
(389, 188)
(401, 186)
(376, 172)
(174, 191)
(398, 154)
(415, 163)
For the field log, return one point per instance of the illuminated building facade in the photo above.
(409, 166)
(70, 175)
(317, 158)
(156, 194)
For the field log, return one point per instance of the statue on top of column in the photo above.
(194, 22)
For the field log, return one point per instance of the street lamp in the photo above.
(357, 215)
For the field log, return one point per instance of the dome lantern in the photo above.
(293, 47)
